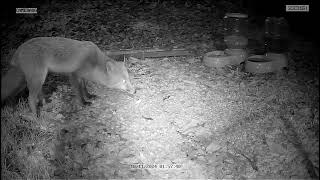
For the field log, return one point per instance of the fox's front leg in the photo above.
(77, 87)
(85, 90)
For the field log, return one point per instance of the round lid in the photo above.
(237, 15)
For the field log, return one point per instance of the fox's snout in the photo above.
(132, 90)
(127, 86)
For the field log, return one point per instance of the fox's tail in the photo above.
(12, 83)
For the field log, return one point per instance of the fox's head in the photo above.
(115, 75)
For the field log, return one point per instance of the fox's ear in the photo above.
(126, 61)
(110, 66)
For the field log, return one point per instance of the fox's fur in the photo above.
(81, 60)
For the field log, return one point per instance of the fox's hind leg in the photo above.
(77, 87)
(34, 84)
(85, 90)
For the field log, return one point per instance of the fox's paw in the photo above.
(83, 102)
(92, 96)
(86, 103)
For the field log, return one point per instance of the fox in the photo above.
(82, 61)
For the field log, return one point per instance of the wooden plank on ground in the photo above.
(151, 53)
